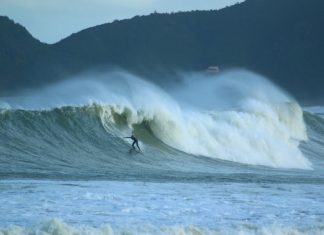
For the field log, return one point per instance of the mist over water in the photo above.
(228, 90)
(200, 90)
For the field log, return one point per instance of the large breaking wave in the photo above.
(238, 117)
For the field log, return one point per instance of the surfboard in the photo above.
(135, 151)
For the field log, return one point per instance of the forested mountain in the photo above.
(282, 39)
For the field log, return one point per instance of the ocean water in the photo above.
(231, 154)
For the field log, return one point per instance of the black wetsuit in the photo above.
(135, 141)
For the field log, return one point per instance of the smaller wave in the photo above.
(314, 148)
(57, 226)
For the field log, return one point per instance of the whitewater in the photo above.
(225, 154)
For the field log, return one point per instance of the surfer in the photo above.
(135, 141)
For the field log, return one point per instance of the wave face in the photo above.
(76, 128)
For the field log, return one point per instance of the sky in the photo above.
(52, 20)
